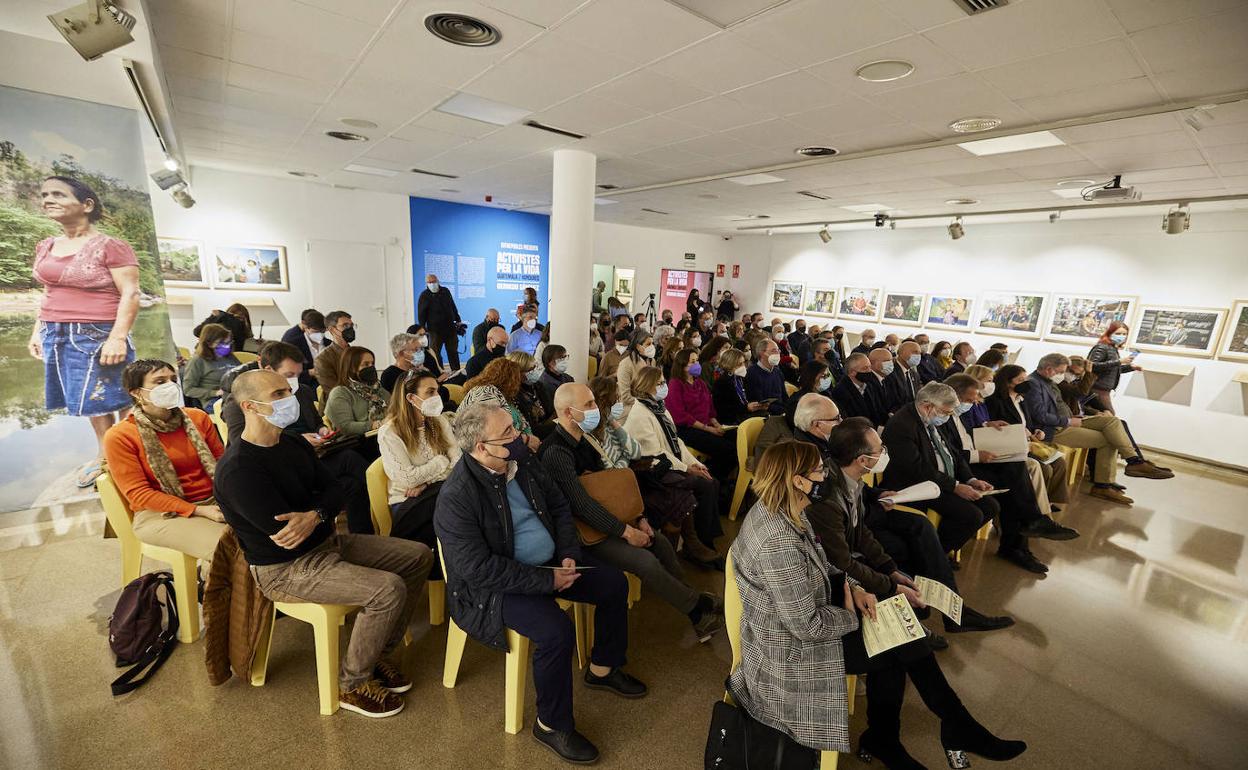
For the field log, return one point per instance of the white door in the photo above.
(354, 277)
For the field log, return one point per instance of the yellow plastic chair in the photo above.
(222, 429)
(593, 367)
(456, 393)
(246, 358)
(732, 622)
(584, 616)
(517, 675)
(379, 504)
(184, 352)
(1076, 463)
(320, 400)
(789, 388)
(326, 620)
(185, 584)
(747, 434)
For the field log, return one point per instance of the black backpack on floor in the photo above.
(143, 629)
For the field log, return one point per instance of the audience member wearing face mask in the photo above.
(641, 352)
(527, 333)
(1005, 406)
(866, 343)
(963, 356)
(492, 319)
(436, 311)
(340, 333)
(555, 361)
(495, 347)
(692, 409)
(859, 393)
(764, 380)
(728, 395)
(530, 399)
(1108, 365)
(309, 337)
(499, 384)
(359, 404)
(214, 356)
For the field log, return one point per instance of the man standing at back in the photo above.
(436, 311)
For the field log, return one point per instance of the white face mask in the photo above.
(423, 341)
(660, 393)
(293, 382)
(622, 349)
(989, 389)
(773, 359)
(881, 463)
(166, 395)
(432, 286)
(317, 337)
(778, 336)
(739, 371)
(430, 407)
(561, 365)
(696, 341)
(533, 375)
(1057, 379)
(1069, 377)
(647, 351)
(886, 368)
(530, 324)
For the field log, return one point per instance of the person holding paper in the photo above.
(920, 452)
(799, 634)
(1108, 366)
(1005, 405)
(1021, 517)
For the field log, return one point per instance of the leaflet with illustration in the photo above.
(941, 597)
(924, 490)
(894, 625)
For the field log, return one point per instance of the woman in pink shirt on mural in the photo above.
(90, 300)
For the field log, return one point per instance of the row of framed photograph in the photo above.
(188, 265)
(1072, 318)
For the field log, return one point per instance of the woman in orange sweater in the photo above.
(162, 458)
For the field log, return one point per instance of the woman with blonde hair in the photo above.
(418, 450)
(529, 398)
(652, 426)
(499, 384)
(640, 353)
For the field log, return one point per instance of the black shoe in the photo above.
(1048, 529)
(936, 642)
(618, 682)
(568, 744)
(973, 620)
(1024, 559)
(890, 752)
(953, 564)
(1118, 487)
(962, 736)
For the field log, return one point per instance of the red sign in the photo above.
(736, 271)
(719, 271)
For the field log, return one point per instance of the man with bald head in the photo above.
(495, 347)
(436, 311)
(282, 504)
(633, 547)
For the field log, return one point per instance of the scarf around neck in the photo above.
(665, 422)
(371, 394)
(158, 458)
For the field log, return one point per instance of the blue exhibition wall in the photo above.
(484, 256)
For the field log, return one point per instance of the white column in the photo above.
(572, 256)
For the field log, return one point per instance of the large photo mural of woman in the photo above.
(80, 289)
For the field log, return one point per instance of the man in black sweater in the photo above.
(480, 330)
(856, 396)
(282, 504)
(436, 311)
(566, 454)
(495, 347)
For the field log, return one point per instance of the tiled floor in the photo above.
(1132, 653)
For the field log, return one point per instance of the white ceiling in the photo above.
(666, 95)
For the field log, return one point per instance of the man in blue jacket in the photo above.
(764, 381)
(511, 548)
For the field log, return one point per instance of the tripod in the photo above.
(650, 316)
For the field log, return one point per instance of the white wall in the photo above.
(1206, 267)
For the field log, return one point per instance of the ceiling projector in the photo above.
(94, 28)
(1112, 191)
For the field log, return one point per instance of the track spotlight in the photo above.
(825, 234)
(892, 224)
(956, 230)
(1176, 221)
(770, 231)
(1056, 215)
(881, 220)
(171, 163)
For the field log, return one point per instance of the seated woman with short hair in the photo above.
(214, 356)
(418, 450)
(554, 374)
(162, 459)
(732, 406)
(499, 384)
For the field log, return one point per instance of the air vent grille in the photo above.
(814, 195)
(553, 129)
(462, 30)
(434, 173)
(656, 211)
(973, 7)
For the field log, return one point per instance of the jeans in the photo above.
(657, 566)
(73, 378)
(554, 639)
(383, 575)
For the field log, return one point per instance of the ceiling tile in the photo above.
(879, 136)
(1125, 145)
(186, 62)
(715, 146)
(1057, 171)
(805, 32)
(1136, 15)
(779, 133)
(267, 103)
(451, 124)
(981, 178)
(669, 156)
(922, 14)
(647, 134)
(210, 90)
(1067, 70)
(412, 152)
(650, 91)
(638, 30)
(850, 116)
(286, 56)
(1040, 157)
(590, 114)
(212, 11)
(719, 113)
(1092, 100)
(368, 11)
(193, 34)
(1181, 173)
(256, 79)
(930, 63)
(933, 106)
(1203, 81)
(1228, 153)
(543, 13)
(722, 63)
(1148, 124)
(363, 97)
(545, 73)
(312, 28)
(1208, 41)
(1024, 30)
(1146, 161)
(789, 94)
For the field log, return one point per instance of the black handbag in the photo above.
(738, 741)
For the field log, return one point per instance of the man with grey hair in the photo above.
(763, 381)
(856, 395)
(919, 450)
(1047, 412)
(408, 354)
(510, 550)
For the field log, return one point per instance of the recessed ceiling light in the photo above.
(462, 30)
(484, 110)
(974, 125)
(360, 168)
(816, 151)
(304, 174)
(448, 190)
(1016, 143)
(961, 201)
(749, 180)
(748, 217)
(357, 122)
(603, 201)
(1080, 183)
(1068, 192)
(347, 136)
(709, 196)
(885, 70)
(867, 208)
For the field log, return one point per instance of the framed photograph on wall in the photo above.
(182, 263)
(1235, 342)
(859, 302)
(949, 311)
(786, 296)
(903, 308)
(1084, 317)
(1188, 331)
(1015, 314)
(622, 283)
(251, 267)
(821, 300)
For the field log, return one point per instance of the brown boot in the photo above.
(694, 549)
(1110, 494)
(1146, 470)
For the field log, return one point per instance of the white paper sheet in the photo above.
(924, 490)
(1008, 441)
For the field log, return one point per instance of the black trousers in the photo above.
(721, 451)
(1018, 506)
(706, 515)
(886, 689)
(959, 518)
(445, 338)
(412, 519)
(554, 638)
(348, 467)
(913, 543)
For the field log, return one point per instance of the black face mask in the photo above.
(861, 377)
(517, 449)
(838, 335)
(1022, 387)
(348, 334)
(817, 491)
(368, 375)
